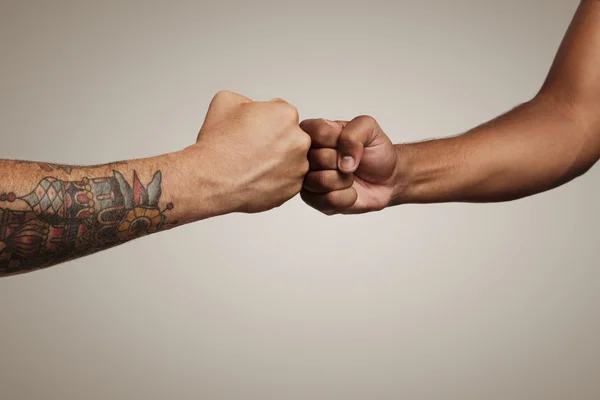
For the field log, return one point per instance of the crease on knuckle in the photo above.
(323, 179)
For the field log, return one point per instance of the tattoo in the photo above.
(51, 167)
(69, 219)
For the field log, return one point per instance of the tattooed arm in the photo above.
(249, 157)
(50, 214)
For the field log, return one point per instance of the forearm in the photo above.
(534, 147)
(52, 213)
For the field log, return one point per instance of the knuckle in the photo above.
(323, 178)
(327, 158)
(228, 95)
(305, 167)
(305, 142)
(345, 140)
(305, 125)
(314, 155)
(323, 125)
(314, 161)
(299, 146)
(366, 119)
(320, 133)
(292, 112)
(223, 94)
(331, 180)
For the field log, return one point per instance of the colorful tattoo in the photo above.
(69, 219)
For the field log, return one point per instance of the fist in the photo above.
(254, 153)
(353, 166)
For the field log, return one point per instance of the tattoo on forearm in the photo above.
(51, 167)
(68, 219)
(48, 167)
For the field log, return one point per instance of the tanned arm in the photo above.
(249, 157)
(537, 146)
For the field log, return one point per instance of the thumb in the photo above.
(358, 134)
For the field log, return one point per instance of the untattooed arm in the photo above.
(539, 145)
(249, 157)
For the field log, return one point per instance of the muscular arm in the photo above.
(537, 146)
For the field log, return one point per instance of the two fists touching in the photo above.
(257, 156)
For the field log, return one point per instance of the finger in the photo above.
(321, 159)
(357, 135)
(327, 181)
(324, 133)
(331, 202)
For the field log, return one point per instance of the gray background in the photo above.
(418, 302)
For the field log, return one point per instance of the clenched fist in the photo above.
(254, 154)
(354, 166)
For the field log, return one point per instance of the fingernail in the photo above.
(347, 163)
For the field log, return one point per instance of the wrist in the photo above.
(194, 186)
(434, 171)
(402, 178)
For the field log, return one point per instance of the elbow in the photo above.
(580, 119)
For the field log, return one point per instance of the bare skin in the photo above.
(249, 157)
(539, 145)
(252, 156)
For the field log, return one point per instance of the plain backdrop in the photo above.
(450, 301)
